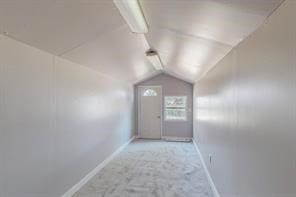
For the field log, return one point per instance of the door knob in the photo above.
(158, 116)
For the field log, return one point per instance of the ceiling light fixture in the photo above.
(153, 57)
(132, 13)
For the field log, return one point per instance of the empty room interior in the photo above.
(147, 98)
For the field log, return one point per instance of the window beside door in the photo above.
(175, 108)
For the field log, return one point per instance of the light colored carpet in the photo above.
(148, 168)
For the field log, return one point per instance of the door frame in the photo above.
(139, 108)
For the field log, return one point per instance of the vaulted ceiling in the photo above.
(191, 36)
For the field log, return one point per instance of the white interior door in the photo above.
(149, 110)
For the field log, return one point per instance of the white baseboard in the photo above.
(90, 175)
(214, 189)
(177, 139)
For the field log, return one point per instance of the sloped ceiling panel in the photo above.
(226, 21)
(119, 53)
(193, 35)
(58, 25)
(186, 55)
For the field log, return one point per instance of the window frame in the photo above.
(172, 108)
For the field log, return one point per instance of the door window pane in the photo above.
(150, 92)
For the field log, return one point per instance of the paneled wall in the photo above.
(245, 113)
(58, 120)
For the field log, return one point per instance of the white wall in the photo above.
(246, 113)
(172, 86)
(58, 120)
